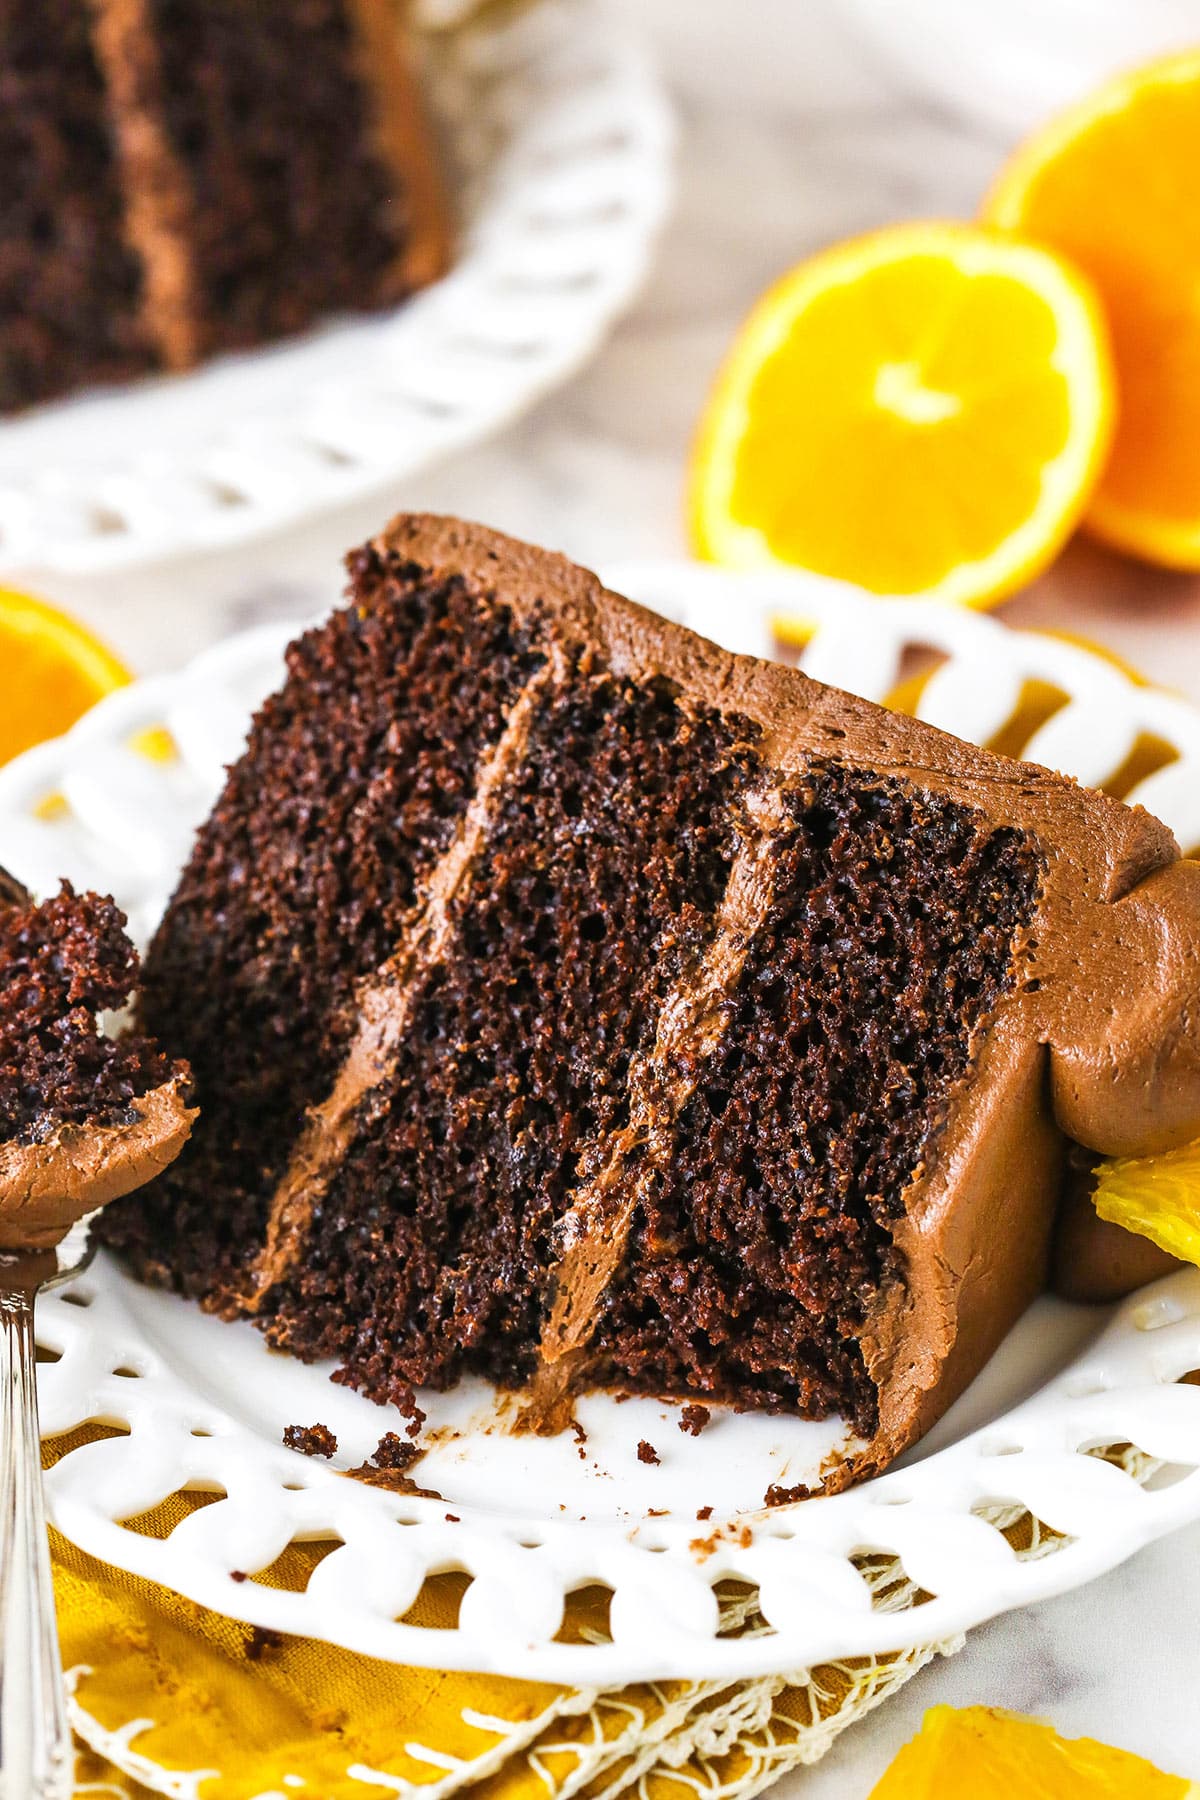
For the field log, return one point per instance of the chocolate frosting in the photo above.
(1097, 1261)
(1099, 1040)
(157, 208)
(45, 1187)
(405, 142)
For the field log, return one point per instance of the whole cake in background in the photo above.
(184, 177)
(575, 1004)
(84, 1117)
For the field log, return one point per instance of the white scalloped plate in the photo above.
(206, 1403)
(561, 138)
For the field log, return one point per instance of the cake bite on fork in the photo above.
(84, 1117)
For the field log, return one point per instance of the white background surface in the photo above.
(793, 135)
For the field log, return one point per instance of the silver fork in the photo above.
(36, 1754)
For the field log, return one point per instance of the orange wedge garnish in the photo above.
(54, 670)
(1156, 1196)
(1111, 184)
(992, 1755)
(922, 411)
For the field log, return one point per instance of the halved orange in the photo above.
(54, 670)
(994, 1755)
(922, 411)
(1111, 184)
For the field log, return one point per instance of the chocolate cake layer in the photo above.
(60, 964)
(83, 1116)
(719, 1036)
(301, 881)
(285, 209)
(70, 288)
(895, 929)
(602, 863)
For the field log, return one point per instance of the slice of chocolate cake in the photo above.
(574, 1003)
(83, 1117)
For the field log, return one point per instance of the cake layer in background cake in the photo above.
(70, 285)
(574, 1003)
(278, 168)
(184, 177)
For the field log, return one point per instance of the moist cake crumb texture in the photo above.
(767, 1235)
(351, 786)
(534, 943)
(61, 963)
(762, 1230)
(395, 1452)
(605, 859)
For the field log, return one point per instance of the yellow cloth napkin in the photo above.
(170, 1698)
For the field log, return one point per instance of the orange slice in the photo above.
(993, 1755)
(1111, 184)
(922, 411)
(54, 670)
(1156, 1196)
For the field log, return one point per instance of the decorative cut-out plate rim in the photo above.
(563, 137)
(123, 820)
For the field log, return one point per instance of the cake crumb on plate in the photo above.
(310, 1440)
(394, 1452)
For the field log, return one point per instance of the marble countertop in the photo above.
(792, 135)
